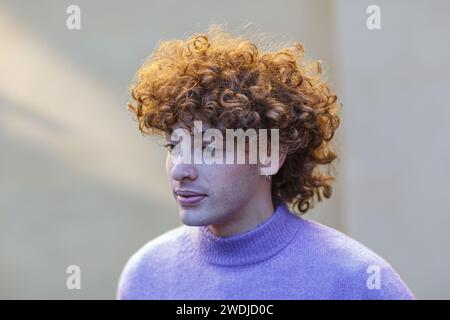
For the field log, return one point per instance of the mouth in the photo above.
(189, 198)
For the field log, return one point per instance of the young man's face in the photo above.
(214, 194)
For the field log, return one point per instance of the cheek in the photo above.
(235, 178)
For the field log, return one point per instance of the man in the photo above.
(239, 239)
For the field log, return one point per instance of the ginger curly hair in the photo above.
(221, 78)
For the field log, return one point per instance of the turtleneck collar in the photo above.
(257, 244)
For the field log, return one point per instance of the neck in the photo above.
(254, 212)
(253, 246)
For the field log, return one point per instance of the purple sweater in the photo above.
(285, 257)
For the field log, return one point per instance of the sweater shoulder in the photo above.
(151, 259)
(364, 273)
(339, 246)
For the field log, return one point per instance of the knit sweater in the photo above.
(284, 257)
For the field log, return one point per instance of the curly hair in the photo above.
(221, 78)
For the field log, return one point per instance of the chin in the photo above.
(192, 217)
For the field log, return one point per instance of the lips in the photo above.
(189, 197)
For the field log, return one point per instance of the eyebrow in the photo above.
(169, 136)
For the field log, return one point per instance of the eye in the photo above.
(169, 146)
(210, 149)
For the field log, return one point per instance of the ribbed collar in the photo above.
(257, 244)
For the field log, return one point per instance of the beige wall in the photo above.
(80, 185)
(394, 83)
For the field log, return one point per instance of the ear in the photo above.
(282, 158)
(276, 165)
(283, 154)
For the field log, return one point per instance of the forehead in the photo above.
(201, 126)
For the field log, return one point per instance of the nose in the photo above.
(181, 170)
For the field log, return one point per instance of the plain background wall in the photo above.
(394, 83)
(80, 185)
